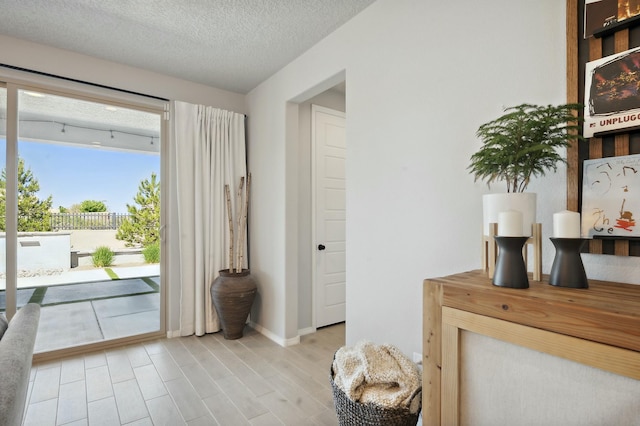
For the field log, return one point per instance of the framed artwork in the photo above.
(612, 93)
(607, 14)
(611, 197)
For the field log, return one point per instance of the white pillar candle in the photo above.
(510, 223)
(566, 224)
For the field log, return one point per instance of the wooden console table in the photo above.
(598, 327)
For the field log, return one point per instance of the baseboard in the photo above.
(274, 337)
(305, 331)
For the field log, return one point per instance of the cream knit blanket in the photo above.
(378, 374)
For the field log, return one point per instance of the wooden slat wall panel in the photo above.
(573, 162)
(597, 147)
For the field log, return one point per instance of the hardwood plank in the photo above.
(238, 393)
(72, 402)
(95, 359)
(71, 370)
(267, 419)
(166, 366)
(138, 356)
(149, 381)
(202, 383)
(292, 383)
(164, 412)
(130, 402)
(298, 395)
(224, 411)
(119, 366)
(179, 353)
(203, 421)
(189, 404)
(282, 408)
(41, 413)
(256, 384)
(103, 412)
(46, 384)
(98, 383)
(142, 422)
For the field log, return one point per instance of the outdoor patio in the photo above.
(86, 306)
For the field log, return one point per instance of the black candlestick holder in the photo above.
(567, 269)
(511, 270)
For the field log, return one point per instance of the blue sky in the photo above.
(72, 175)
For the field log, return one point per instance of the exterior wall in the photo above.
(39, 252)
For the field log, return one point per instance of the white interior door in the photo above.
(329, 141)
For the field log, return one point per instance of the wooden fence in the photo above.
(72, 221)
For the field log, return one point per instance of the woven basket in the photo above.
(353, 413)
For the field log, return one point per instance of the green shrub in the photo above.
(151, 253)
(102, 257)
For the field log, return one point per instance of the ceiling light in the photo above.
(111, 108)
(96, 143)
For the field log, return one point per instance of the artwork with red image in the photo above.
(612, 93)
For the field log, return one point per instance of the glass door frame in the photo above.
(48, 85)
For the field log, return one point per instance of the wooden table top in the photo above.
(606, 312)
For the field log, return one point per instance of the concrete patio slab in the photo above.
(127, 316)
(23, 297)
(95, 290)
(116, 307)
(67, 277)
(136, 271)
(67, 325)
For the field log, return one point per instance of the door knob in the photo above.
(321, 247)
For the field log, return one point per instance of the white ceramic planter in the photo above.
(524, 202)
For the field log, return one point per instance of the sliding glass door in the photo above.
(3, 240)
(86, 236)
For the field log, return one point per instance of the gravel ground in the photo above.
(88, 240)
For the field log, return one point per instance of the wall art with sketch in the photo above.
(611, 197)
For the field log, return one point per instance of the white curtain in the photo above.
(210, 152)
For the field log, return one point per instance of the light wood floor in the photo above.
(190, 380)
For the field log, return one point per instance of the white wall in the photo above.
(24, 54)
(421, 77)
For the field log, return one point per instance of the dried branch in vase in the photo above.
(236, 247)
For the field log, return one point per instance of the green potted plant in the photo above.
(521, 144)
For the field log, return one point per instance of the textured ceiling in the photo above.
(228, 44)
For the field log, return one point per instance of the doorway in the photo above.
(329, 209)
(333, 97)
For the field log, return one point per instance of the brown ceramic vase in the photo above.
(233, 294)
